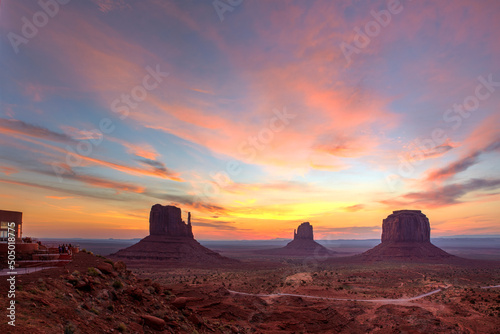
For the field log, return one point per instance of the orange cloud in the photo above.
(102, 183)
(145, 151)
(8, 170)
(161, 172)
(483, 139)
(59, 197)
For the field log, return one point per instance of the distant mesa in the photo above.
(303, 244)
(170, 241)
(406, 235)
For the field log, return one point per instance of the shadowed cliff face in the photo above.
(406, 237)
(406, 226)
(304, 232)
(171, 241)
(167, 220)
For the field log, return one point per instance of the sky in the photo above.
(254, 116)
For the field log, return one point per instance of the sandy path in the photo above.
(400, 300)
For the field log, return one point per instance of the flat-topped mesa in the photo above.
(303, 232)
(167, 220)
(406, 237)
(406, 226)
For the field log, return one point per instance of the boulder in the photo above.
(180, 302)
(153, 322)
(105, 267)
(120, 266)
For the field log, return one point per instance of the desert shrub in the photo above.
(117, 284)
(92, 271)
(122, 327)
(69, 329)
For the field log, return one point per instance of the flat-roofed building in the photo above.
(8, 217)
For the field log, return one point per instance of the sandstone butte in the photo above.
(303, 244)
(406, 235)
(170, 241)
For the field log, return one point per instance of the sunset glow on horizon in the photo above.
(253, 117)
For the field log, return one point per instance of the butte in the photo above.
(406, 237)
(303, 244)
(171, 242)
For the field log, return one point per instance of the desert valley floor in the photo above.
(250, 297)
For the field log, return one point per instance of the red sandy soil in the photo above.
(76, 299)
(171, 299)
(461, 307)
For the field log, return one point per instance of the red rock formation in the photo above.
(167, 220)
(170, 241)
(304, 231)
(303, 244)
(406, 236)
(406, 225)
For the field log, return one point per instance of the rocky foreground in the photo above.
(95, 295)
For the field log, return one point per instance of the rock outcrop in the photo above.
(171, 241)
(406, 236)
(303, 232)
(303, 244)
(406, 226)
(167, 220)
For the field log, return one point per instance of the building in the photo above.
(7, 217)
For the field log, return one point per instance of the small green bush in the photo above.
(117, 284)
(69, 329)
(122, 327)
(92, 271)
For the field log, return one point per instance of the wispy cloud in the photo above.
(92, 193)
(159, 168)
(14, 126)
(462, 164)
(155, 169)
(143, 150)
(59, 197)
(107, 6)
(354, 208)
(7, 170)
(442, 196)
